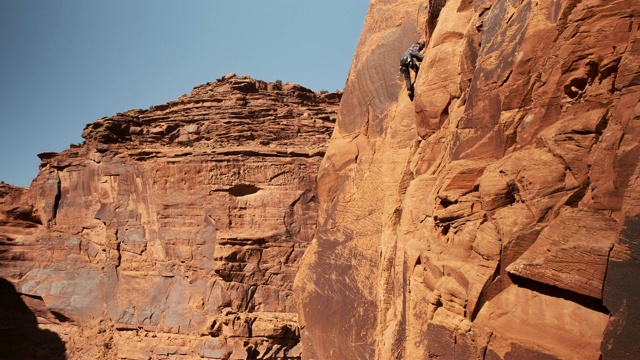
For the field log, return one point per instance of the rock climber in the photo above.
(408, 61)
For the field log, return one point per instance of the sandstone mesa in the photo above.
(176, 231)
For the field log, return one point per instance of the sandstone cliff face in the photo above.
(175, 232)
(497, 215)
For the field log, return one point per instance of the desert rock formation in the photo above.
(498, 215)
(174, 232)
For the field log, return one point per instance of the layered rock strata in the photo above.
(496, 215)
(175, 232)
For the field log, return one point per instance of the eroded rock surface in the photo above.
(175, 232)
(496, 216)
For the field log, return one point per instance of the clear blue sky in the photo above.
(65, 63)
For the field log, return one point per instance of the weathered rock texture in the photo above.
(497, 215)
(175, 232)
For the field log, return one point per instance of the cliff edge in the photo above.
(497, 215)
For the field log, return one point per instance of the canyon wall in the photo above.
(497, 216)
(173, 232)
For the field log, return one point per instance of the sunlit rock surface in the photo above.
(176, 231)
(496, 215)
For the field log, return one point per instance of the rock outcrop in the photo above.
(174, 232)
(497, 216)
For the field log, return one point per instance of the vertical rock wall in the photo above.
(496, 216)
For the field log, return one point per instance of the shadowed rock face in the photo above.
(175, 231)
(21, 337)
(496, 215)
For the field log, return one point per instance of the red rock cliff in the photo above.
(174, 232)
(497, 215)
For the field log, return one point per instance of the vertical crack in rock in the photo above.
(57, 196)
(56, 201)
(435, 7)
